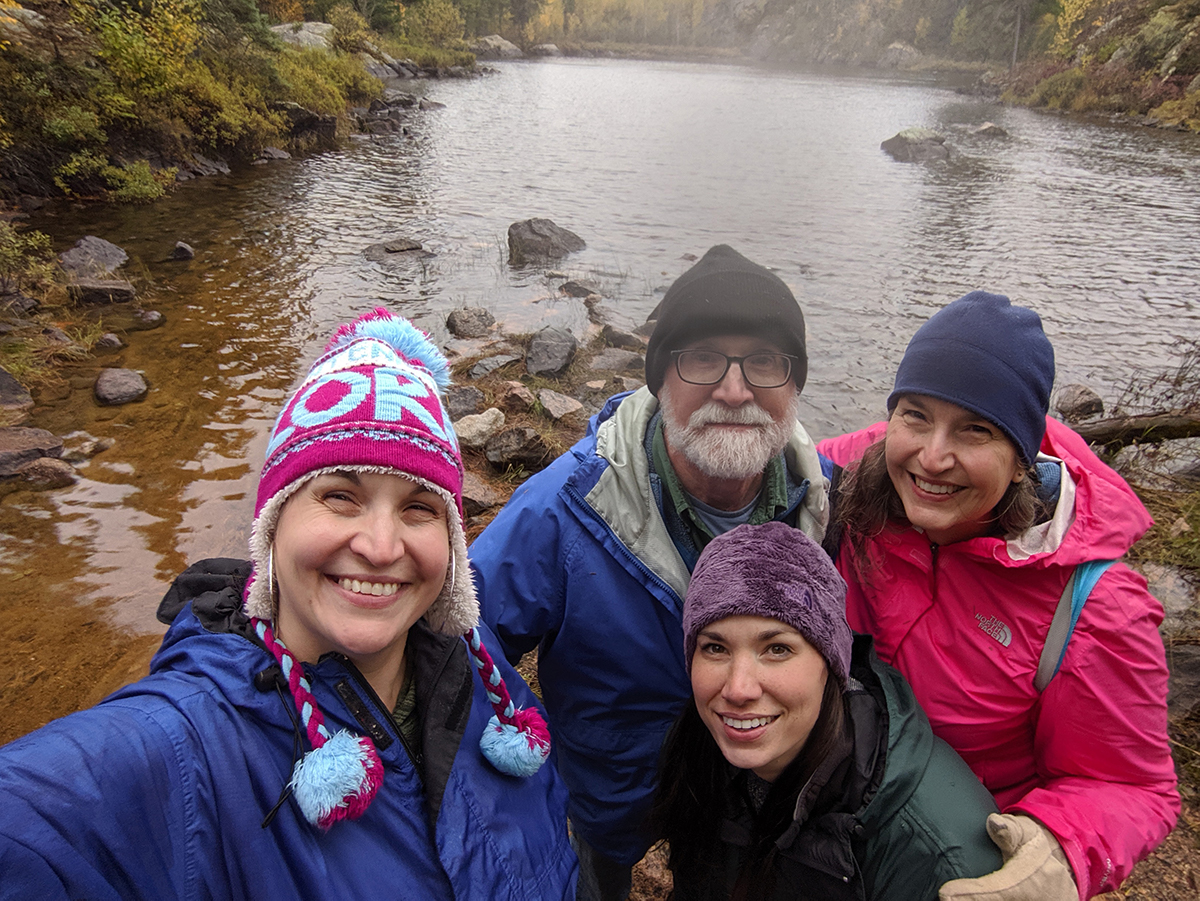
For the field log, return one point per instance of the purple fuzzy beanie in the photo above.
(776, 571)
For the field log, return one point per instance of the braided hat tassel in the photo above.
(338, 778)
(515, 741)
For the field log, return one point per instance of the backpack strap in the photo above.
(1066, 615)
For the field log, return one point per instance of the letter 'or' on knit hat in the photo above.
(776, 571)
(984, 354)
(725, 294)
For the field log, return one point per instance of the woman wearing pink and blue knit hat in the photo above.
(979, 540)
(325, 720)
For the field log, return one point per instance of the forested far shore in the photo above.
(111, 99)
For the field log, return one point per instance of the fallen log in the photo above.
(1144, 428)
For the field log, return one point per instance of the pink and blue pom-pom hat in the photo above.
(371, 403)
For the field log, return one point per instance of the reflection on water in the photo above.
(1093, 225)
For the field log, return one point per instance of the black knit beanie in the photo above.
(988, 356)
(725, 294)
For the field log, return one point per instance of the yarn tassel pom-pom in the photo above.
(520, 749)
(337, 780)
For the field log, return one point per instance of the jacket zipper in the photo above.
(365, 687)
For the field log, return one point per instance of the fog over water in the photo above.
(1093, 225)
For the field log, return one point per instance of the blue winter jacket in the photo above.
(580, 564)
(164, 789)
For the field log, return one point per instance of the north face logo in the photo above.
(994, 628)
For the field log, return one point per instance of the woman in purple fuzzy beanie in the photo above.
(804, 769)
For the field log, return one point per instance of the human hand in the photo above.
(1035, 867)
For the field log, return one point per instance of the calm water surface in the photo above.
(1096, 226)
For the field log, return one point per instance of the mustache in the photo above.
(713, 413)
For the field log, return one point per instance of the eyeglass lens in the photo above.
(707, 367)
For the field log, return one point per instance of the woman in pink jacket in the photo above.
(964, 516)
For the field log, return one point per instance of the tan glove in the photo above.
(1035, 867)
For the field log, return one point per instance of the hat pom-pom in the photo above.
(337, 780)
(518, 749)
(401, 335)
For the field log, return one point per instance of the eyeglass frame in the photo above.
(729, 361)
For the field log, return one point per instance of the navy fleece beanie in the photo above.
(988, 356)
(725, 294)
(776, 571)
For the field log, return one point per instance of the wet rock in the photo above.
(109, 341)
(426, 103)
(488, 365)
(15, 400)
(472, 322)
(101, 291)
(1076, 403)
(518, 447)
(533, 240)
(46, 473)
(989, 130)
(386, 249)
(559, 407)
(478, 495)
(92, 256)
(145, 320)
(462, 400)
(273, 153)
(19, 445)
(579, 288)
(182, 251)
(616, 337)
(916, 145)
(475, 431)
(613, 359)
(493, 46)
(516, 398)
(550, 351)
(119, 386)
(81, 447)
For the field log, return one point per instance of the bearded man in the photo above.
(590, 559)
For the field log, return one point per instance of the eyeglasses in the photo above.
(708, 367)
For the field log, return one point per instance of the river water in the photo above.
(1094, 225)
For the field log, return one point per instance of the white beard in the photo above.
(728, 453)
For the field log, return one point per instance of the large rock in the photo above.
(550, 351)
(613, 359)
(518, 447)
(306, 34)
(538, 240)
(101, 291)
(916, 145)
(15, 400)
(488, 365)
(545, 50)
(899, 55)
(462, 400)
(478, 495)
(561, 408)
(386, 250)
(471, 322)
(119, 386)
(476, 430)
(92, 256)
(19, 446)
(45, 473)
(493, 46)
(1076, 403)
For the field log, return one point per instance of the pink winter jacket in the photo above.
(966, 623)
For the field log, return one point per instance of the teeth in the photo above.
(752, 723)
(936, 489)
(379, 589)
